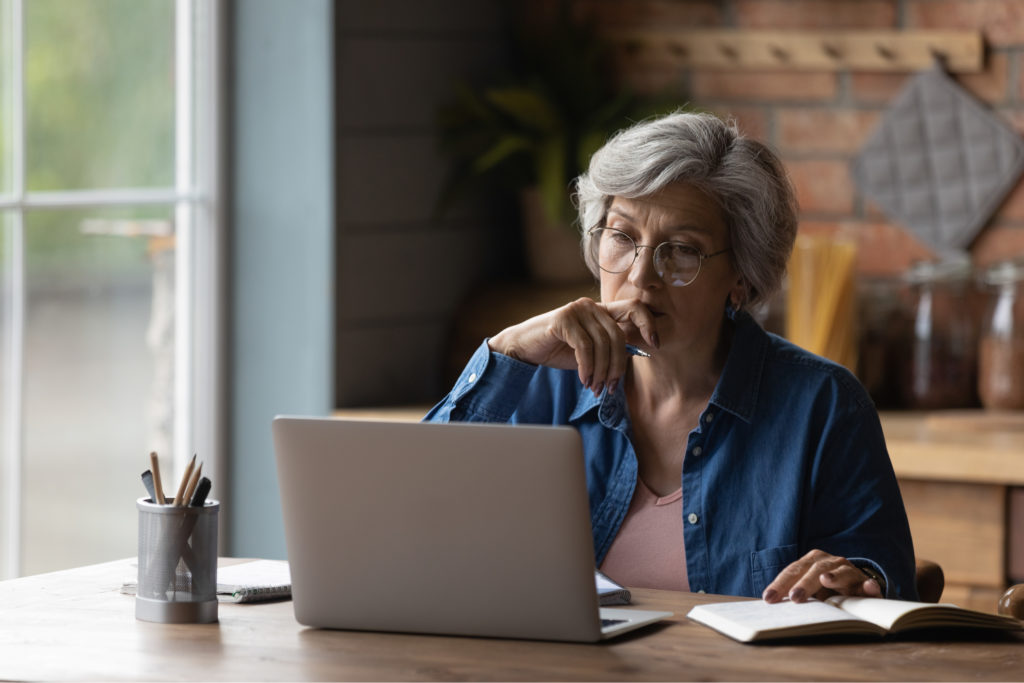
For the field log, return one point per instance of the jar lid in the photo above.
(950, 267)
(1004, 273)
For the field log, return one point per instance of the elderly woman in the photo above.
(719, 458)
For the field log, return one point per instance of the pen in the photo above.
(636, 351)
(147, 481)
(202, 490)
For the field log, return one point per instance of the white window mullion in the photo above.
(183, 229)
(195, 198)
(82, 199)
(207, 241)
(13, 400)
(13, 447)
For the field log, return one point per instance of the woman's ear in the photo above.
(738, 294)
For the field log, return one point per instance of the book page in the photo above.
(897, 614)
(750, 619)
(876, 610)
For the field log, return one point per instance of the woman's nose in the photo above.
(642, 273)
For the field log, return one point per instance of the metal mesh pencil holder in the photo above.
(177, 563)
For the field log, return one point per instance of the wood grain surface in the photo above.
(76, 625)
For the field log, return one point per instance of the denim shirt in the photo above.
(788, 456)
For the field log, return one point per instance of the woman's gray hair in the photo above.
(742, 175)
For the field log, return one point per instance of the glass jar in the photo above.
(882, 338)
(1001, 350)
(941, 367)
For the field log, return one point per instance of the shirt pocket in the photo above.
(766, 564)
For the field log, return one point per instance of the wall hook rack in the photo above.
(896, 50)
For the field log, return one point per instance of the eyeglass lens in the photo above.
(678, 264)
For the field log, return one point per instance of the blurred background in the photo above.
(215, 212)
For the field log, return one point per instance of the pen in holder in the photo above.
(177, 563)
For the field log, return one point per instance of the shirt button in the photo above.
(709, 417)
(697, 450)
(702, 591)
(692, 518)
(472, 377)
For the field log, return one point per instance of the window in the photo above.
(109, 251)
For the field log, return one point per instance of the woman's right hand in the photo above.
(585, 335)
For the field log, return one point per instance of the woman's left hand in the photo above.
(819, 575)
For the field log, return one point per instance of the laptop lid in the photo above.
(465, 529)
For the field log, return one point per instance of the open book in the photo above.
(751, 620)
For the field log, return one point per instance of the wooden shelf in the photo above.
(973, 446)
(879, 50)
(397, 413)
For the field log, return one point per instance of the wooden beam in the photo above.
(895, 50)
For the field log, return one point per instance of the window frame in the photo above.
(198, 204)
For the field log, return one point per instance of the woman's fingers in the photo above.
(848, 580)
(632, 316)
(819, 574)
(607, 351)
(585, 335)
(599, 345)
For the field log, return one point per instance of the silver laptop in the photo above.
(463, 529)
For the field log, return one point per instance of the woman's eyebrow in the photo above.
(682, 227)
(620, 213)
(690, 227)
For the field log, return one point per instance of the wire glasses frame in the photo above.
(678, 264)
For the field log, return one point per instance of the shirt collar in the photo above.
(740, 383)
(611, 408)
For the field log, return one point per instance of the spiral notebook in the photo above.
(254, 581)
(261, 580)
(609, 592)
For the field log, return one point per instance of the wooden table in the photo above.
(76, 625)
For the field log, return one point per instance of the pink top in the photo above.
(648, 551)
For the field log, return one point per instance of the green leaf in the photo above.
(503, 149)
(527, 107)
(552, 180)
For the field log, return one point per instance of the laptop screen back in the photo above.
(467, 529)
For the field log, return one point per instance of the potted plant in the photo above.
(532, 131)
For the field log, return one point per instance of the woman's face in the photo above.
(679, 213)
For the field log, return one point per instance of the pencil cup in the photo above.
(177, 563)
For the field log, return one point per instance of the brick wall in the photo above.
(402, 270)
(818, 120)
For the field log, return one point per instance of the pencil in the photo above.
(180, 496)
(157, 484)
(192, 485)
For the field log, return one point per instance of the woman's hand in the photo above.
(586, 335)
(819, 575)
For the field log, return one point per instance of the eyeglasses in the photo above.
(615, 252)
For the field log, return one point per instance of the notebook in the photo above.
(459, 529)
(254, 581)
(251, 581)
(609, 592)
